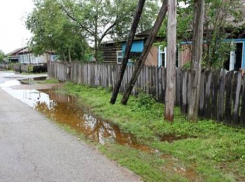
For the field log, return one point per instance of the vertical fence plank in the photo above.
(228, 99)
(207, 110)
(242, 117)
(237, 83)
(221, 96)
(202, 94)
(177, 100)
(214, 92)
(184, 91)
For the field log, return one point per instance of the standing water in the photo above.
(65, 109)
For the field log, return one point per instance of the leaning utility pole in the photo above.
(171, 60)
(196, 60)
(143, 56)
(127, 50)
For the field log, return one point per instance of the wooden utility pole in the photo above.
(196, 60)
(171, 60)
(127, 50)
(144, 54)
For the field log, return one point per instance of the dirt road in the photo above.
(34, 149)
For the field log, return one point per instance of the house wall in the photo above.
(29, 58)
(110, 52)
(152, 58)
(137, 46)
(184, 55)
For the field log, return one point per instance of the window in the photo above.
(119, 57)
(162, 56)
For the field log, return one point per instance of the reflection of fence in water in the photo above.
(65, 110)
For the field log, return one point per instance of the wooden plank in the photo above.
(202, 94)
(147, 79)
(236, 98)
(188, 88)
(214, 97)
(242, 116)
(228, 99)
(157, 82)
(184, 92)
(178, 84)
(163, 83)
(160, 79)
(221, 96)
(207, 110)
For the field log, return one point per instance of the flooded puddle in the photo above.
(65, 109)
(31, 81)
(170, 138)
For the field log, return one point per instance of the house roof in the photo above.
(144, 33)
(16, 51)
(24, 50)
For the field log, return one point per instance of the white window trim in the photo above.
(164, 51)
(119, 57)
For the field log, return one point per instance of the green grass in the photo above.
(49, 81)
(214, 152)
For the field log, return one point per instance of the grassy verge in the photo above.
(208, 152)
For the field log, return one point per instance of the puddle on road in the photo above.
(65, 109)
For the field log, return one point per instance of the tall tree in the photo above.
(100, 19)
(144, 54)
(171, 60)
(196, 60)
(54, 32)
(127, 50)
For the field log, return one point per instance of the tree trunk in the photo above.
(196, 60)
(69, 54)
(127, 50)
(64, 57)
(145, 52)
(171, 61)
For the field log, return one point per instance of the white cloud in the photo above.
(13, 33)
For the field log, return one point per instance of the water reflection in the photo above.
(65, 109)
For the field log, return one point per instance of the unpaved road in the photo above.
(34, 149)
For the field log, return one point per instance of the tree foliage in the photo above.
(54, 32)
(221, 22)
(103, 19)
(2, 56)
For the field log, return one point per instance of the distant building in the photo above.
(25, 56)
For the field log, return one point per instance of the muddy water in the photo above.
(65, 109)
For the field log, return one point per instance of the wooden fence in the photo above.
(222, 94)
(4, 66)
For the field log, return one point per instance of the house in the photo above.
(113, 52)
(25, 56)
(13, 57)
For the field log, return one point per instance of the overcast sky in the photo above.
(13, 33)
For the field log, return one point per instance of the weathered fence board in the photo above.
(221, 96)
(228, 98)
(242, 116)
